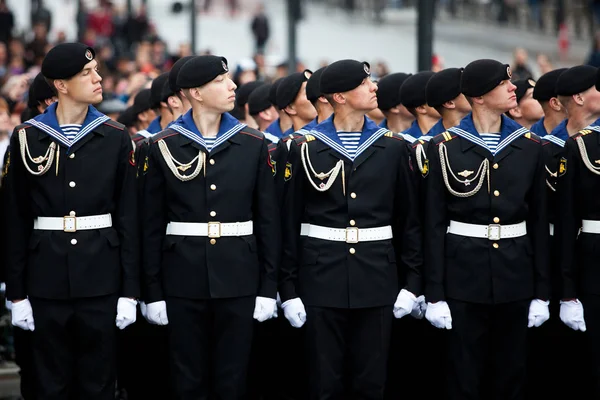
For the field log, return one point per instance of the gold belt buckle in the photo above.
(351, 235)
(214, 230)
(69, 224)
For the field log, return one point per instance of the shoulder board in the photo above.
(114, 124)
(22, 126)
(253, 132)
(443, 137)
(532, 136)
(304, 138)
(272, 147)
(292, 136)
(390, 134)
(164, 134)
(583, 132)
(418, 142)
(137, 137)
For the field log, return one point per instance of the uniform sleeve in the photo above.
(18, 221)
(127, 219)
(568, 221)
(279, 157)
(3, 227)
(538, 227)
(292, 209)
(153, 224)
(436, 224)
(267, 225)
(407, 202)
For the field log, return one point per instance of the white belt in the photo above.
(490, 232)
(211, 229)
(72, 223)
(551, 229)
(348, 235)
(589, 226)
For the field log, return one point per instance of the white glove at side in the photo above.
(405, 303)
(294, 312)
(438, 314)
(126, 312)
(22, 315)
(571, 314)
(420, 308)
(538, 313)
(157, 313)
(265, 308)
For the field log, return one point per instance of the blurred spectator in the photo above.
(519, 69)
(380, 70)
(437, 63)
(245, 72)
(544, 63)
(260, 29)
(100, 21)
(6, 128)
(137, 26)
(81, 19)
(7, 22)
(40, 14)
(594, 57)
(37, 47)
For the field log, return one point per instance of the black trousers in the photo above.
(143, 360)
(23, 343)
(74, 348)
(347, 352)
(487, 351)
(209, 347)
(591, 313)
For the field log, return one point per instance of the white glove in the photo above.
(144, 310)
(294, 311)
(265, 308)
(8, 304)
(439, 315)
(22, 315)
(405, 303)
(126, 312)
(420, 308)
(538, 313)
(571, 313)
(157, 313)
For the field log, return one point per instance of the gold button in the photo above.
(212, 161)
(353, 195)
(496, 193)
(495, 166)
(72, 184)
(213, 214)
(73, 242)
(72, 214)
(213, 187)
(496, 220)
(72, 155)
(352, 251)
(496, 245)
(213, 241)
(352, 222)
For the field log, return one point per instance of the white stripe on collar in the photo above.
(477, 140)
(61, 137)
(426, 138)
(556, 140)
(408, 137)
(144, 133)
(342, 150)
(271, 137)
(200, 140)
(510, 138)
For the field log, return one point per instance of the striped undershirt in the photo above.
(350, 141)
(491, 140)
(210, 142)
(70, 130)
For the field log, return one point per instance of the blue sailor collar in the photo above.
(229, 126)
(559, 135)
(307, 128)
(48, 123)
(275, 129)
(384, 124)
(509, 131)
(538, 128)
(327, 133)
(434, 131)
(154, 126)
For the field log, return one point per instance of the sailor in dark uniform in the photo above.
(414, 97)
(73, 252)
(159, 105)
(545, 93)
(283, 123)
(486, 239)
(528, 110)
(443, 93)
(262, 111)
(314, 95)
(241, 102)
(397, 118)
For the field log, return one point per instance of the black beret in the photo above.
(482, 76)
(258, 100)
(142, 101)
(157, 89)
(545, 87)
(39, 91)
(388, 92)
(522, 86)
(127, 117)
(66, 60)
(201, 70)
(273, 91)
(290, 87)
(343, 76)
(443, 86)
(174, 72)
(243, 92)
(412, 91)
(576, 80)
(313, 86)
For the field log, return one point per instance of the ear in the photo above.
(478, 100)
(449, 104)
(290, 110)
(578, 98)
(174, 102)
(339, 98)
(194, 93)
(50, 100)
(266, 115)
(516, 112)
(61, 86)
(394, 110)
(555, 104)
(421, 110)
(163, 104)
(322, 99)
